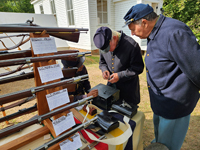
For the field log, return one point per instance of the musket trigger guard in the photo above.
(28, 60)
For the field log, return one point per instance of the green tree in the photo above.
(187, 11)
(22, 6)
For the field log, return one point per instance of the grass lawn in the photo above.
(95, 76)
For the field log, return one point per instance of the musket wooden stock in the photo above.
(66, 135)
(67, 73)
(17, 77)
(70, 34)
(19, 103)
(12, 129)
(29, 92)
(19, 113)
(27, 53)
(19, 61)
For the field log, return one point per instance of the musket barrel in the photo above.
(19, 113)
(9, 130)
(65, 135)
(28, 60)
(17, 77)
(32, 29)
(17, 54)
(29, 92)
(19, 103)
(67, 107)
(27, 53)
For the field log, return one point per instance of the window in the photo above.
(102, 12)
(70, 12)
(41, 9)
(53, 8)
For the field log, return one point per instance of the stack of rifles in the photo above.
(23, 57)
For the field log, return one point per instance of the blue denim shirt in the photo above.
(173, 68)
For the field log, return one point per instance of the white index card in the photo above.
(57, 98)
(43, 45)
(63, 123)
(50, 73)
(67, 144)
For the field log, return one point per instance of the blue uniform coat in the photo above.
(126, 60)
(173, 70)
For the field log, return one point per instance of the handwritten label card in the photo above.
(57, 98)
(50, 73)
(63, 123)
(67, 144)
(43, 45)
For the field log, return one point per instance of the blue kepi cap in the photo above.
(137, 12)
(102, 39)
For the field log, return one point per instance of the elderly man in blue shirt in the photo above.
(172, 66)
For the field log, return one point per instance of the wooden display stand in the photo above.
(42, 105)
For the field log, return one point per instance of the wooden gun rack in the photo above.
(42, 105)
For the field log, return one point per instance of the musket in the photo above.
(10, 97)
(27, 60)
(70, 34)
(67, 73)
(16, 54)
(19, 113)
(22, 76)
(65, 135)
(3, 52)
(16, 70)
(12, 129)
(19, 103)
(93, 144)
(27, 53)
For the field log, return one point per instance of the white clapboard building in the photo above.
(92, 14)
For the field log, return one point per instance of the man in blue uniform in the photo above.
(172, 66)
(83, 87)
(120, 62)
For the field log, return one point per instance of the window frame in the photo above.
(41, 10)
(70, 12)
(102, 12)
(53, 7)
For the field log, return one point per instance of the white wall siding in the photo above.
(92, 5)
(37, 7)
(93, 18)
(121, 9)
(81, 17)
(45, 4)
(61, 14)
(47, 7)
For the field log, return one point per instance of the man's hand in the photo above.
(93, 93)
(106, 75)
(113, 78)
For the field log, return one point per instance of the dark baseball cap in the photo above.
(137, 12)
(102, 38)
